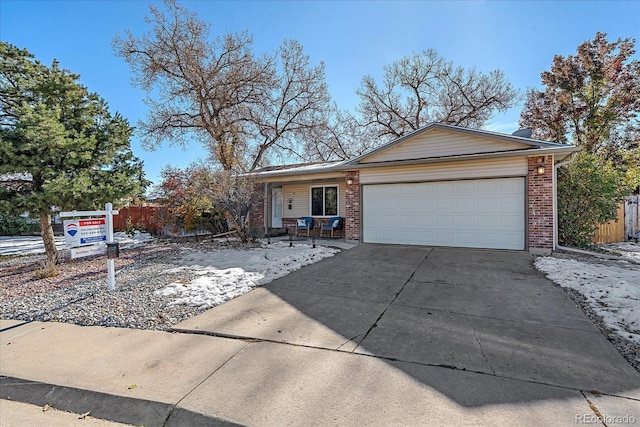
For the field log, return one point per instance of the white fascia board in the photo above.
(558, 151)
(324, 169)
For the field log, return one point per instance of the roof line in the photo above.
(496, 154)
(510, 138)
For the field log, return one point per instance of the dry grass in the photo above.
(49, 269)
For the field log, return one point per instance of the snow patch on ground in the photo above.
(613, 291)
(31, 245)
(136, 239)
(25, 245)
(229, 273)
(628, 250)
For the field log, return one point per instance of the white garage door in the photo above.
(483, 213)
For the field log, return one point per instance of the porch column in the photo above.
(265, 210)
(257, 214)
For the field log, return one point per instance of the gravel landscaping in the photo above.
(158, 284)
(79, 293)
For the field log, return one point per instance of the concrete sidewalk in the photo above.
(14, 413)
(155, 378)
(376, 335)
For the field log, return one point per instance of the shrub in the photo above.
(13, 225)
(48, 269)
(255, 233)
(589, 191)
(129, 228)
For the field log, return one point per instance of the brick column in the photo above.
(256, 214)
(540, 204)
(352, 207)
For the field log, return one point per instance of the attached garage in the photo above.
(480, 213)
(440, 185)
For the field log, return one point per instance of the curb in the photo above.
(105, 406)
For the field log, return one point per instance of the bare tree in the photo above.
(298, 104)
(343, 137)
(424, 88)
(243, 107)
(235, 195)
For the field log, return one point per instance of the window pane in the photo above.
(331, 201)
(316, 201)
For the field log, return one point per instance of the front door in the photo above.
(276, 207)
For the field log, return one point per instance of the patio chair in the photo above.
(304, 223)
(335, 223)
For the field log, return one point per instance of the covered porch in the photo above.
(319, 196)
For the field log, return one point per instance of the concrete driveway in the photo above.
(476, 329)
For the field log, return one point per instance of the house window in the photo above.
(324, 201)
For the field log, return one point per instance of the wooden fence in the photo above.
(626, 227)
(612, 231)
(140, 217)
(632, 218)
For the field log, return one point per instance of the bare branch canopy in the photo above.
(243, 107)
(424, 88)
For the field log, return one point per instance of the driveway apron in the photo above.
(488, 312)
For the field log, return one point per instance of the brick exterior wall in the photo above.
(352, 213)
(256, 215)
(540, 203)
(289, 224)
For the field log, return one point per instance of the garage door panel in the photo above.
(509, 186)
(487, 186)
(510, 221)
(424, 204)
(487, 204)
(444, 203)
(485, 213)
(465, 187)
(442, 237)
(462, 204)
(461, 220)
(487, 221)
(508, 204)
(444, 221)
(465, 239)
(426, 220)
(389, 221)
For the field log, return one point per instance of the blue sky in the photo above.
(353, 38)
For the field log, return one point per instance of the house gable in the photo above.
(436, 142)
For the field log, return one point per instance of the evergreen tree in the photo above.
(73, 153)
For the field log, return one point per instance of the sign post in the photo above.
(91, 231)
(111, 267)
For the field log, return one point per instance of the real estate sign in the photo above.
(81, 232)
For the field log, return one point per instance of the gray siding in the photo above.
(439, 143)
(501, 167)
